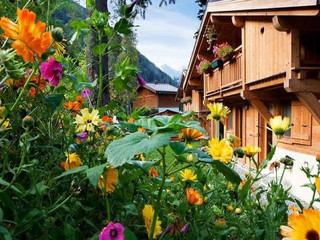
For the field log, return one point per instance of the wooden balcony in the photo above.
(227, 79)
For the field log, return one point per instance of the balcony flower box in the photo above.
(217, 63)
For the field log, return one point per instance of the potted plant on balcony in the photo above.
(223, 51)
(186, 99)
(204, 67)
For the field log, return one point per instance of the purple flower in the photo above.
(85, 92)
(114, 231)
(184, 229)
(141, 81)
(51, 71)
(83, 136)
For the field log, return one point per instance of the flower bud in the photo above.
(27, 121)
(57, 34)
(238, 210)
(238, 152)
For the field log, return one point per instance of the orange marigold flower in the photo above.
(79, 99)
(30, 37)
(191, 134)
(141, 129)
(194, 197)
(131, 120)
(107, 119)
(72, 106)
(108, 180)
(153, 172)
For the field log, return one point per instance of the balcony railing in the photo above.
(229, 77)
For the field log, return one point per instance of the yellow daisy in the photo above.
(188, 175)
(87, 121)
(220, 150)
(73, 161)
(278, 125)
(108, 180)
(218, 111)
(250, 151)
(303, 226)
(190, 134)
(317, 183)
(148, 213)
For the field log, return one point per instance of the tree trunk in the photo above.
(92, 62)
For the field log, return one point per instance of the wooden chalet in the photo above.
(275, 71)
(158, 96)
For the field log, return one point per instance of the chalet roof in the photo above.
(161, 88)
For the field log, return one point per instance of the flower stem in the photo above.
(157, 205)
(20, 95)
(108, 208)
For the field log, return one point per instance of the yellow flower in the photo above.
(230, 186)
(194, 197)
(191, 134)
(250, 151)
(148, 213)
(87, 121)
(171, 179)
(30, 38)
(218, 111)
(220, 150)
(302, 226)
(221, 222)
(230, 208)
(238, 210)
(142, 158)
(205, 199)
(73, 161)
(108, 180)
(188, 174)
(189, 145)
(190, 157)
(317, 183)
(278, 125)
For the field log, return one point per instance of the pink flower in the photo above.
(114, 231)
(51, 71)
(85, 92)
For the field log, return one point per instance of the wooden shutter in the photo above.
(301, 120)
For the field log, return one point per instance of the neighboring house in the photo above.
(275, 71)
(159, 96)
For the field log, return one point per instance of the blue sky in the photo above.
(165, 36)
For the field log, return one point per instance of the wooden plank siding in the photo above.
(267, 50)
(146, 98)
(167, 100)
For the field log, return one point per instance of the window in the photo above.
(230, 120)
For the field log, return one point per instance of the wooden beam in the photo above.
(195, 82)
(280, 24)
(237, 21)
(305, 85)
(255, 101)
(310, 101)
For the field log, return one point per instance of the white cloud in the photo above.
(166, 36)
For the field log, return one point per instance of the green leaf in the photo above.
(121, 151)
(131, 209)
(128, 234)
(227, 172)
(178, 147)
(72, 171)
(123, 26)
(81, 85)
(78, 24)
(94, 173)
(309, 185)
(54, 100)
(5, 233)
(90, 3)
(5, 183)
(245, 189)
(99, 49)
(71, 233)
(144, 165)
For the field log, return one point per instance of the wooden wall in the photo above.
(167, 100)
(146, 98)
(267, 50)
